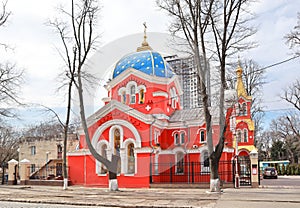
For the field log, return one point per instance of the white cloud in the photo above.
(34, 42)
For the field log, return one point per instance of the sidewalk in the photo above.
(281, 197)
(102, 197)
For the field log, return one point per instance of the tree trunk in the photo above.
(111, 165)
(66, 128)
(214, 174)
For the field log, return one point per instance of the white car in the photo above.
(270, 172)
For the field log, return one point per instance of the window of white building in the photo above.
(33, 150)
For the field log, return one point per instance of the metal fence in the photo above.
(188, 172)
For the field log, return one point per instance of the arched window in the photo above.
(182, 139)
(103, 169)
(245, 135)
(239, 135)
(173, 97)
(244, 109)
(117, 147)
(237, 109)
(142, 96)
(202, 136)
(179, 137)
(132, 94)
(156, 136)
(130, 159)
(205, 163)
(117, 142)
(179, 163)
(59, 151)
(240, 110)
(123, 97)
(176, 139)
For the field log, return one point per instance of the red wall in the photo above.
(82, 172)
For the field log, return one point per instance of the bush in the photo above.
(283, 172)
(278, 170)
(292, 169)
(296, 170)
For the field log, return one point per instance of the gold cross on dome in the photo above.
(145, 28)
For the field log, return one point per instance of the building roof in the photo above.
(187, 115)
(148, 62)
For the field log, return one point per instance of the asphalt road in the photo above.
(282, 181)
(273, 197)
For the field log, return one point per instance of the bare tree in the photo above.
(292, 94)
(10, 77)
(8, 146)
(44, 129)
(77, 34)
(263, 143)
(293, 38)
(10, 82)
(286, 129)
(4, 14)
(217, 29)
(290, 123)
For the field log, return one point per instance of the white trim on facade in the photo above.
(98, 149)
(114, 122)
(125, 159)
(160, 93)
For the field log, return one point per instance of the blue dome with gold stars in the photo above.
(148, 62)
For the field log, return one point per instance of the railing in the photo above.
(47, 172)
(192, 172)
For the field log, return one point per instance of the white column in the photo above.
(254, 168)
(123, 160)
(11, 171)
(24, 171)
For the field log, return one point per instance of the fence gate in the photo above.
(244, 165)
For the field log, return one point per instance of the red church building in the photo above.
(142, 122)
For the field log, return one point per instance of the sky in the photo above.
(34, 44)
